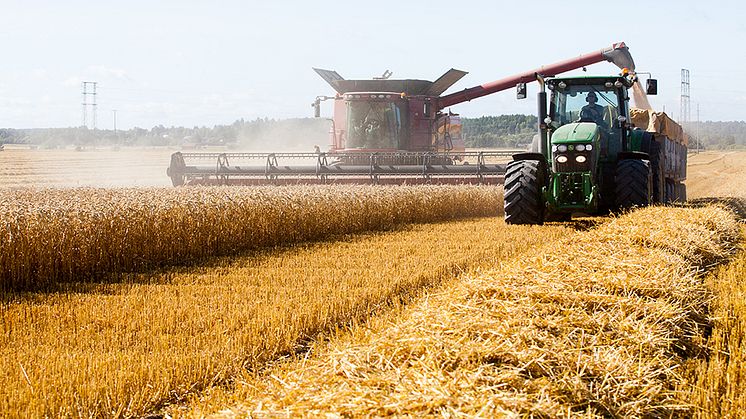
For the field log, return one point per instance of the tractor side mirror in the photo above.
(316, 108)
(520, 91)
(651, 87)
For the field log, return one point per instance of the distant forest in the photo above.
(303, 133)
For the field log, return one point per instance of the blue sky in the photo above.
(204, 63)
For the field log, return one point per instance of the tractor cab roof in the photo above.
(590, 80)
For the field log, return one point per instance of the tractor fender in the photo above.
(632, 155)
(543, 164)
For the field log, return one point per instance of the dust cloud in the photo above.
(90, 168)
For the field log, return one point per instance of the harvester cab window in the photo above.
(374, 125)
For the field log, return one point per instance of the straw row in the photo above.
(123, 349)
(57, 236)
(596, 325)
(717, 383)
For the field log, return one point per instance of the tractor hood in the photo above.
(578, 132)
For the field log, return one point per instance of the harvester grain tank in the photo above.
(383, 131)
(594, 154)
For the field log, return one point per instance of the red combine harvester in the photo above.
(383, 132)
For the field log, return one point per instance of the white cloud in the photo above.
(72, 81)
(102, 71)
(99, 73)
(40, 73)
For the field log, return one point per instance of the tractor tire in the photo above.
(523, 201)
(634, 186)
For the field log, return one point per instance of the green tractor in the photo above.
(589, 158)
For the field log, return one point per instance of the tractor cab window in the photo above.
(587, 103)
(374, 125)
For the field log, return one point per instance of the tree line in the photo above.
(509, 131)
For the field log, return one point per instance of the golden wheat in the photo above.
(716, 387)
(53, 236)
(123, 349)
(595, 325)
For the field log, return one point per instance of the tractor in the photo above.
(590, 158)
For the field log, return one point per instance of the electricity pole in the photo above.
(89, 94)
(697, 127)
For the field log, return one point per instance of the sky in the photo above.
(201, 63)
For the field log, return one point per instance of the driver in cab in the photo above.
(593, 112)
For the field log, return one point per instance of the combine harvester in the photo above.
(594, 154)
(383, 132)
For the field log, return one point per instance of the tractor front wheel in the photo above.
(634, 183)
(523, 202)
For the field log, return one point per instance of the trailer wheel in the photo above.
(656, 169)
(670, 192)
(523, 203)
(634, 186)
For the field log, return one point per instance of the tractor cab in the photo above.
(587, 110)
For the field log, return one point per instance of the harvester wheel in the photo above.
(634, 186)
(523, 203)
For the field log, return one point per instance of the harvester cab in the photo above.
(589, 157)
(387, 115)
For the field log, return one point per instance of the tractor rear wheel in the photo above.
(634, 186)
(523, 202)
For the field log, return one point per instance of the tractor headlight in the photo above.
(580, 147)
(561, 159)
(554, 149)
(561, 148)
(579, 159)
(588, 147)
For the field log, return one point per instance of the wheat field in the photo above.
(123, 349)
(598, 324)
(717, 382)
(54, 236)
(327, 300)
